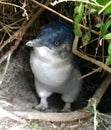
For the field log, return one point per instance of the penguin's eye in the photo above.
(57, 43)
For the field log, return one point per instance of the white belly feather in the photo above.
(49, 70)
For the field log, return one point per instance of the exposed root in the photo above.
(101, 90)
(55, 117)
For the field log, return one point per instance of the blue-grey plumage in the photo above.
(52, 66)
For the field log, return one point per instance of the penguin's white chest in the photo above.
(48, 69)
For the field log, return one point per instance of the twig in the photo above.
(6, 29)
(105, 115)
(94, 101)
(75, 44)
(94, 3)
(101, 90)
(90, 73)
(5, 69)
(104, 7)
(5, 113)
(16, 35)
(94, 61)
(17, 42)
(95, 112)
(85, 57)
(17, 6)
(64, 17)
(19, 34)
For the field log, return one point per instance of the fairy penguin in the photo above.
(53, 64)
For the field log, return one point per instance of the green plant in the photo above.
(87, 9)
(35, 126)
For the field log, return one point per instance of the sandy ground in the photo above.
(17, 93)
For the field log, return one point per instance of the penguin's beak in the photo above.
(34, 43)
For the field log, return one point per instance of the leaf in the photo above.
(35, 126)
(107, 36)
(77, 30)
(104, 2)
(78, 12)
(98, 25)
(108, 59)
(105, 27)
(86, 37)
(109, 49)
